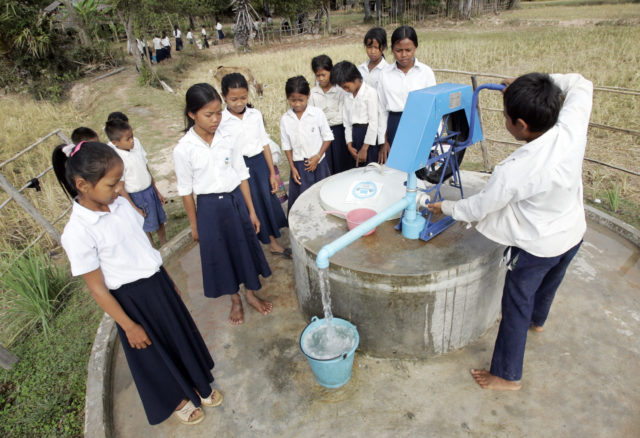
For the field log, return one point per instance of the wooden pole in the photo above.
(29, 208)
(483, 147)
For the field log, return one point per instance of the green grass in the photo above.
(44, 395)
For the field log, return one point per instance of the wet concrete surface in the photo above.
(581, 375)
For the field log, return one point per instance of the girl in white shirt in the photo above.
(177, 34)
(169, 361)
(375, 42)
(359, 114)
(246, 126)
(166, 45)
(190, 36)
(406, 74)
(204, 38)
(305, 136)
(157, 48)
(330, 98)
(224, 220)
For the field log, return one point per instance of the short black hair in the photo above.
(402, 33)
(376, 34)
(535, 99)
(321, 62)
(344, 71)
(297, 84)
(115, 129)
(83, 134)
(118, 115)
(233, 80)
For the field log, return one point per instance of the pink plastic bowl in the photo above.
(356, 217)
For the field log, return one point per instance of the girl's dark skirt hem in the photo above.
(265, 203)
(230, 252)
(177, 362)
(392, 125)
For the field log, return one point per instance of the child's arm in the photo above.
(327, 137)
(122, 192)
(312, 162)
(383, 115)
(372, 128)
(190, 209)
(136, 335)
(246, 193)
(153, 183)
(348, 132)
(295, 176)
(273, 178)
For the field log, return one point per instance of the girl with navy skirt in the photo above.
(169, 361)
(406, 74)
(330, 98)
(224, 219)
(305, 136)
(245, 125)
(359, 113)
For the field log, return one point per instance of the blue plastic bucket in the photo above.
(331, 373)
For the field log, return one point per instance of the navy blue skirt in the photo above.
(358, 132)
(148, 201)
(392, 125)
(337, 156)
(229, 249)
(307, 179)
(267, 206)
(177, 361)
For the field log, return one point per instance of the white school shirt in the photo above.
(330, 102)
(361, 109)
(372, 77)
(304, 136)
(166, 42)
(112, 241)
(136, 176)
(204, 32)
(218, 26)
(248, 133)
(189, 35)
(533, 199)
(177, 33)
(394, 87)
(208, 168)
(157, 43)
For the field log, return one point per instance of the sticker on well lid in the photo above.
(363, 191)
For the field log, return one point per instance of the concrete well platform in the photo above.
(581, 375)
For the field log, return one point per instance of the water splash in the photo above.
(325, 293)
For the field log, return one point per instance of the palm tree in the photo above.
(245, 17)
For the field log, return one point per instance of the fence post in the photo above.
(483, 147)
(29, 208)
(7, 359)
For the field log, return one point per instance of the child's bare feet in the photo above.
(536, 328)
(488, 381)
(259, 304)
(236, 316)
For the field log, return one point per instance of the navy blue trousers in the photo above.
(307, 179)
(392, 125)
(337, 156)
(529, 289)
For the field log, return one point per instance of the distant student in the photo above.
(190, 37)
(246, 128)
(220, 32)
(138, 182)
(532, 204)
(406, 74)
(166, 45)
(84, 134)
(330, 98)
(157, 48)
(204, 37)
(225, 221)
(359, 113)
(177, 34)
(169, 361)
(305, 136)
(375, 42)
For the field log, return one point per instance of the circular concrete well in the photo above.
(408, 298)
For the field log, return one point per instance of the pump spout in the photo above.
(327, 251)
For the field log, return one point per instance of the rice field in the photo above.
(602, 42)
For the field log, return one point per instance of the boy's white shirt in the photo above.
(533, 199)
(112, 241)
(372, 77)
(157, 43)
(361, 109)
(304, 136)
(330, 102)
(136, 175)
(248, 132)
(208, 168)
(394, 87)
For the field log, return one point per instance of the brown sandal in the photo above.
(184, 414)
(214, 399)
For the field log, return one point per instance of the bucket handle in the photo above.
(314, 318)
(344, 356)
(370, 166)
